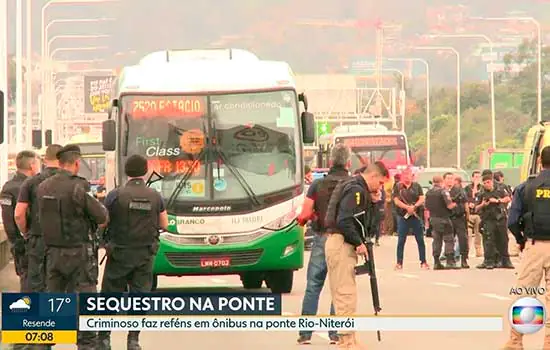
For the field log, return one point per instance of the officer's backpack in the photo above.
(325, 191)
(333, 203)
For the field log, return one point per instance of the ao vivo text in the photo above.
(533, 291)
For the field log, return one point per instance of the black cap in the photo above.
(136, 166)
(68, 149)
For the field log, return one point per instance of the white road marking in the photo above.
(217, 280)
(287, 313)
(494, 296)
(406, 275)
(444, 284)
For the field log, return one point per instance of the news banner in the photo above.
(56, 318)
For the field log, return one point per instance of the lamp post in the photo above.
(539, 53)
(491, 76)
(458, 95)
(44, 38)
(428, 117)
(4, 91)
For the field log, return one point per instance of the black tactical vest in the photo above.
(324, 192)
(436, 205)
(34, 222)
(537, 199)
(135, 216)
(62, 217)
(334, 204)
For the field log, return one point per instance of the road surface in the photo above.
(411, 291)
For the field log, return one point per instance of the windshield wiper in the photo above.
(246, 187)
(150, 180)
(187, 175)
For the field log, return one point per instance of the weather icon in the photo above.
(23, 304)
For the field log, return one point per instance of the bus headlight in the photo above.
(281, 222)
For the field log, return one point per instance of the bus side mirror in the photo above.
(303, 98)
(2, 117)
(308, 127)
(114, 105)
(37, 139)
(108, 135)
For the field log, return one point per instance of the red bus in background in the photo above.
(369, 146)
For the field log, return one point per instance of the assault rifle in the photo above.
(369, 268)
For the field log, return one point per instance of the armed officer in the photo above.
(529, 222)
(315, 208)
(474, 220)
(490, 204)
(67, 214)
(28, 201)
(137, 213)
(460, 218)
(439, 204)
(351, 207)
(27, 165)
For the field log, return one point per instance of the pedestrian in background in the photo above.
(408, 197)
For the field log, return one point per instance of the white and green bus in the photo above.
(224, 132)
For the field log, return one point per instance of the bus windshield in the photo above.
(222, 144)
(390, 149)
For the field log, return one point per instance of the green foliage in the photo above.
(516, 111)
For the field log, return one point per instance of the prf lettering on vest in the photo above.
(543, 193)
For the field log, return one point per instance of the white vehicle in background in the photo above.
(223, 131)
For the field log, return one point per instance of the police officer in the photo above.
(28, 201)
(490, 204)
(27, 165)
(347, 217)
(439, 204)
(315, 207)
(459, 218)
(474, 220)
(67, 214)
(529, 222)
(137, 213)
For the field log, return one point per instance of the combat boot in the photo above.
(451, 264)
(132, 342)
(464, 262)
(438, 265)
(515, 342)
(506, 263)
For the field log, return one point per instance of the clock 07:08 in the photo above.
(39, 337)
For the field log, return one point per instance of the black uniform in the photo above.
(458, 218)
(67, 214)
(495, 233)
(8, 200)
(133, 236)
(35, 246)
(437, 200)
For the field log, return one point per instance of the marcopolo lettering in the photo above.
(211, 209)
(191, 221)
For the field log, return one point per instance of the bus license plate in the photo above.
(215, 262)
